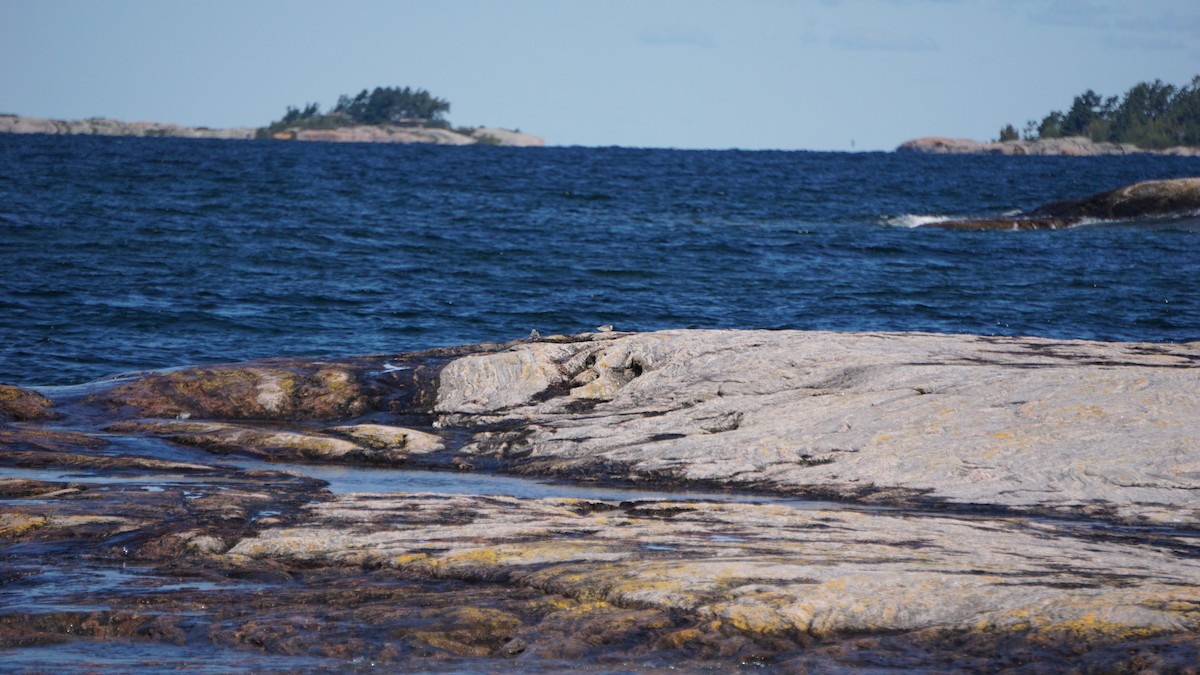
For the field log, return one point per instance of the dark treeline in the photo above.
(1149, 115)
(383, 105)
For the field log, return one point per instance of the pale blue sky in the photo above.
(788, 74)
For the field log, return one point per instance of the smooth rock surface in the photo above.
(1013, 422)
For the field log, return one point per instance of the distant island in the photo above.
(383, 115)
(1151, 118)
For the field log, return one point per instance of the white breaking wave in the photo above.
(913, 220)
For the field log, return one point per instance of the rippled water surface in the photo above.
(125, 254)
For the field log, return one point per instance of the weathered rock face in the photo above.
(770, 570)
(1018, 501)
(1071, 146)
(974, 420)
(1159, 198)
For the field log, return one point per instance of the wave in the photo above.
(911, 220)
(1188, 221)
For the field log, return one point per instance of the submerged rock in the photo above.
(1158, 198)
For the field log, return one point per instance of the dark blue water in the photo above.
(124, 254)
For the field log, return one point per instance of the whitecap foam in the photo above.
(913, 220)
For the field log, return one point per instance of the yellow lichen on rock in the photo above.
(15, 524)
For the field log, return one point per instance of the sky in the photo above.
(750, 74)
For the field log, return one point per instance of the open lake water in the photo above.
(119, 255)
(126, 254)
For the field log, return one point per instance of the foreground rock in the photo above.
(1171, 199)
(1071, 146)
(777, 575)
(256, 562)
(1001, 502)
(1049, 425)
(1015, 422)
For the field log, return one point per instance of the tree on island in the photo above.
(383, 105)
(1150, 115)
(393, 106)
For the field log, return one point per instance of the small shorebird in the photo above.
(533, 334)
(606, 328)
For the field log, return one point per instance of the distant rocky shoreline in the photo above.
(1071, 146)
(103, 126)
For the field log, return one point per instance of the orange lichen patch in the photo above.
(470, 631)
(14, 525)
(679, 638)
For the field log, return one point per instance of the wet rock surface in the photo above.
(1167, 199)
(1001, 503)
(23, 405)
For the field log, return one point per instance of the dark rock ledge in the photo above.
(1008, 501)
(1170, 199)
